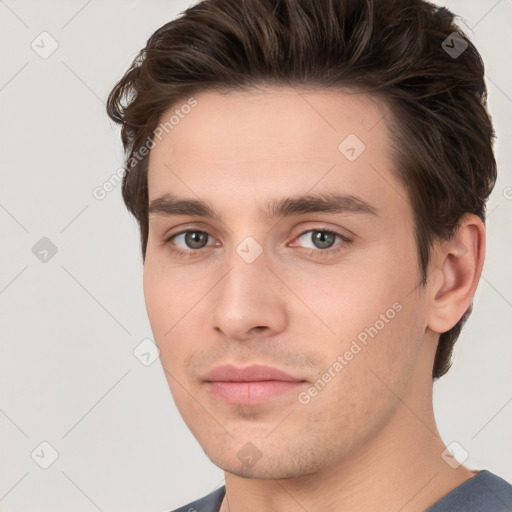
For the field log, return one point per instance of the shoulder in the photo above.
(485, 492)
(210, 503)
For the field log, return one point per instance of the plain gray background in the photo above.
(70, 324)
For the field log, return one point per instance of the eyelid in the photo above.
(192, 226)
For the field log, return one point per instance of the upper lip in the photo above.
(230, 373)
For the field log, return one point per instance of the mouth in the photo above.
(251, 385)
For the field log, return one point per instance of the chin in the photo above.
(280, 465)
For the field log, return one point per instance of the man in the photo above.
(310, 181)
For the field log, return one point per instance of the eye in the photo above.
(187, 242)
(321, 240)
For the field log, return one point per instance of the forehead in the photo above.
(255, 144)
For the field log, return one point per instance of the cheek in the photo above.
(375, 322)
(156, 296)
(169, 293)
(166, 302)
(366, 372)
(353, 296)
(175, 305)
(169, 300)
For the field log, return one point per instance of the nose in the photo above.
(249, 302)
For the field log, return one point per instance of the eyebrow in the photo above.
(326, 202)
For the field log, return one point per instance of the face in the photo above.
(279, 237)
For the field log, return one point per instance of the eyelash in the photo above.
(345, 241)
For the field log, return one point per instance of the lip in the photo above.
(253, 373)
(251, 385)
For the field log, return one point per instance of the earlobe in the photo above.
(459, 262)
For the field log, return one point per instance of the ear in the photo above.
(457, 264)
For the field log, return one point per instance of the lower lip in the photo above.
(250, 393)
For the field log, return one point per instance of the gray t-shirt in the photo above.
(485, 492)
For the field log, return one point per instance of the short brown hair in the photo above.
(441, 129)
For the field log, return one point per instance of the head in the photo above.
(331, 162)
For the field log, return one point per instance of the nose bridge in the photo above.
(245, 297)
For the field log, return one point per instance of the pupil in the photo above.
(196, 239)
(322, 239)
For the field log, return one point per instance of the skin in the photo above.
(368, 440)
